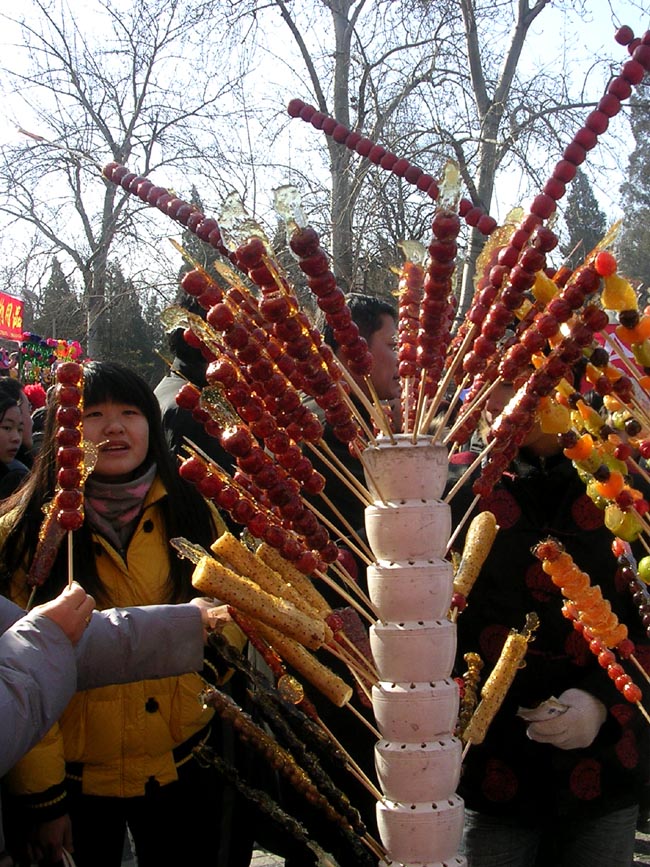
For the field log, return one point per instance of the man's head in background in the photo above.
(186, 357)
(377, 323)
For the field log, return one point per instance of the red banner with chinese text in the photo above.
(11, 317)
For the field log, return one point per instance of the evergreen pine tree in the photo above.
(634, 242)
(586, 222)
(131, 337)
(60, 312)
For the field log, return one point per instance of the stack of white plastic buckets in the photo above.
(415, 703)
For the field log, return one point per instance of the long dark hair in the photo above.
(185, 513)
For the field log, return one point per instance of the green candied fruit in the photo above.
(625, 525)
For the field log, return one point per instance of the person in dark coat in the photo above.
(188, 365)
(563, 791)
(377, 323)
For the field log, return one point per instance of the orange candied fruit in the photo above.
(611, 488)
(582, 449)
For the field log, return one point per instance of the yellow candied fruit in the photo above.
(612, 403)
(618, 294)
(544, 289)
(553, 418)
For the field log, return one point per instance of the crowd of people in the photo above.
(99, 680)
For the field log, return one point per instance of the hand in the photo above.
(214, 615)
(71, 611)
(50, 838)
(574, 729)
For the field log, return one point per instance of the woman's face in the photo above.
(11, 433)
(122, 433)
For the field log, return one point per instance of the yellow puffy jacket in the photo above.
(123, 735)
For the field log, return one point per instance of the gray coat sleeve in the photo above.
(40, 670)
(123, 644)
(38, 675)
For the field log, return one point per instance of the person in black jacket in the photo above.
(563, 791)
(188, 365)
(377, 323)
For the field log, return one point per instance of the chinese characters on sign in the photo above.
(11, 317)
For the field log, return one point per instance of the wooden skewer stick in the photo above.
(468, 472)
(641, 412)
(481, 397)
(462, 523)
(643, 711)
(70, 561)
(640, 470)
(354, 588)
(345, 595)
(331, 460)
(419, 407)
(369, 475)
(356, 543)
(621, 351)
(379, 852)
(352, 764)
(356, 415)
(355, 652)
(359, 671)
(363, 399)
(354, 659)
(645, 544)
(636, 662)
(385, 421)
(407, 387)
(452, 404)
(362, 718)
(451, 370)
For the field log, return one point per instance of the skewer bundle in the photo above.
(266, 356)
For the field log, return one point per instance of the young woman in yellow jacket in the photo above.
(121, 755)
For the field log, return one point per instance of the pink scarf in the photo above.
(113, 509)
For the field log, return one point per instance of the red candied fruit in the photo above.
(69, 519)
(633, 71)
(565, 171)
(624, 35)
(642, 55)
(69, 373)
(295, 107)
(486, 225)
(609, 105)
(597, 121)
(555, 188)
(195, 282)
(605, 263)
(340, 133)
(305, 242)
(458, 601)
(549, 549)
(193, 470)
(543, 206)
(632, 693)
(363, 147)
